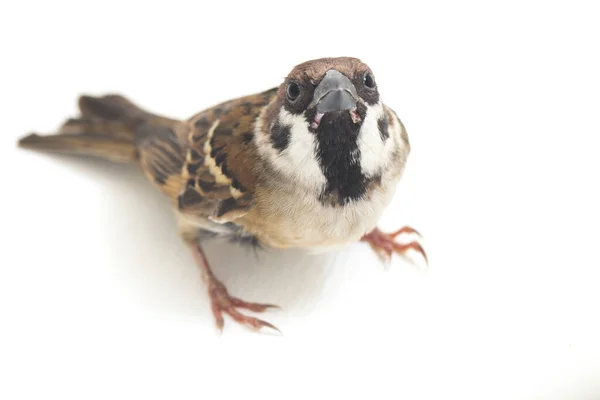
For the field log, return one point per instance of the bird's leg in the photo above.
(384, 244)
(223, 302)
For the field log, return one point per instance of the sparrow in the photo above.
(310, 164)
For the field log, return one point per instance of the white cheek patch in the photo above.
(298, 160)
(300, 155)
(375, 153)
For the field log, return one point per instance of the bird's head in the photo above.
(327, 127)
(329, 91)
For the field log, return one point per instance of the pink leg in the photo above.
(222, 302)
(384, 243)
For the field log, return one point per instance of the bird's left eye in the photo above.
(369, 80)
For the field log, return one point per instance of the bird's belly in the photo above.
(303, 222)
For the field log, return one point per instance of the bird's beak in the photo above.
(335, 93)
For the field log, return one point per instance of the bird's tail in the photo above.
(106, 128)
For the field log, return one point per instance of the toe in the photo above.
(256, 307)
(406, 229)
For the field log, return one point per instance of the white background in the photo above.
(100, 299)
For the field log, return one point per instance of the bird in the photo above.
(310, 164)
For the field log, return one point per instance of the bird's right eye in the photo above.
(293, 91)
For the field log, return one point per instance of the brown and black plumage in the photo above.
(310, 164)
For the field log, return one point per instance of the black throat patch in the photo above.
(339, 158)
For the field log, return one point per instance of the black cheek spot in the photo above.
(217, 112)
(280, 136)
(382, 124)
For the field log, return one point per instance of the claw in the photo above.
(416, 246)
(268, 325)
(384, 244)
(251, 322)
(219, 321)
(406, 229)
(256, 307)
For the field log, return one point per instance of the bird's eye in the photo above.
(293, 91)
(369, 80)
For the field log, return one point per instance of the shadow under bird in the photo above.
(311, 164)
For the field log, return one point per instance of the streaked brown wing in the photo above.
(220, 157)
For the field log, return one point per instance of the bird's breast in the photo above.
(296, 219)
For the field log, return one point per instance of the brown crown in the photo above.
(314, 70)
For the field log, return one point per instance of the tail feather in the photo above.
(106, 147)
(107, 128)
(111, 107)
(78, 126)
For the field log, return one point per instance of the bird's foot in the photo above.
(385, 244)
(223, 303)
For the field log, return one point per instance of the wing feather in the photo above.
(218, 161)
